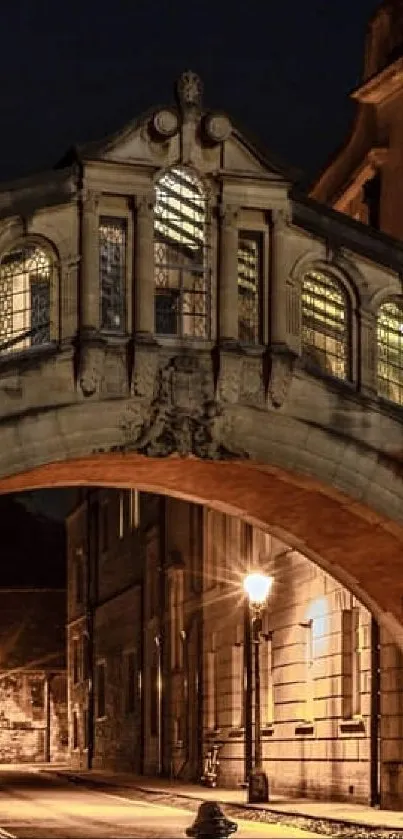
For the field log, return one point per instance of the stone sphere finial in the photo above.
(189, 90)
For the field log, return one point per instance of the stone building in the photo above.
(33, 685)
(363, 178)
(177, 318)
(166, 675)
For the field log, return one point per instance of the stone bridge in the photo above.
(269, 386)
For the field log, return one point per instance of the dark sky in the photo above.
(71, 72)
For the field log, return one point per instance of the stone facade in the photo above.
(169, 645)
(255, 337)
(33, 687)
(363, 178)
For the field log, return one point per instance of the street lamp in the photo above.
(257, 587)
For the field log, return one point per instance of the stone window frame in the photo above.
(47, 245)
(386, 299)
(328, 272)
(348, 277)
(209, 251)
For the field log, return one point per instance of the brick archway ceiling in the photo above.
(357, 546)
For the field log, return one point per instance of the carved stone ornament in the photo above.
(252, 388)
(217, 127)
(91, 369)
(189, 90)
(282, 368)
(183, 418)
(166, 123)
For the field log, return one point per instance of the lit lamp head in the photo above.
(257, 587)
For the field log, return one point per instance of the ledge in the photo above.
(305, 728)
(236, 732)
(353, 726)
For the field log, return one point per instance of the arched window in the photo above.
(26, 290)
(182, 276)
(390, 350)
(325, 324)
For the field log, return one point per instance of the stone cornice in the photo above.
(378, 88)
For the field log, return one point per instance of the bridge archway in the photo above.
(360, 548)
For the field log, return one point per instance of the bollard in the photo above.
(211, 823)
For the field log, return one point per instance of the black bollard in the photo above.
(211, 823)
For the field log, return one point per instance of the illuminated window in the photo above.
(237, 679)
(26, 291)
(177, 618)
(325, 324)
(390, 351)
(351, 663)
(212, 686)
(249, 278)
(182, 276)
(112, 270)
(267, 680)
(307, 630)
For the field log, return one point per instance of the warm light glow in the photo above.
(257, 587)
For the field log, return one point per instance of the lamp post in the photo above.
(257, 587)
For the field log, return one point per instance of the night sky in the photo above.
(73, 72)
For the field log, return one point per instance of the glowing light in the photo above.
(257, 587)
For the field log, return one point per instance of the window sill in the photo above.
(352, 726)
(213, 732)
(318, 373)
(10, 359)
(236, 732)
(177, 342)
(267, 730)
(305, 729)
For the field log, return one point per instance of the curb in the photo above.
(345, 824)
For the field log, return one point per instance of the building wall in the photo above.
(313, 744)
(173, 648)
(118, 725)
(104, 563)
(33, 695)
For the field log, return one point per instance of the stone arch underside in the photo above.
(362, 549)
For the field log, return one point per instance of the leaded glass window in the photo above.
(112, 269)
(181, 270)
(249, 279)
(390, 351)
(325, 324)
(26, 289)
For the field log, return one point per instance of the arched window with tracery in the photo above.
(390, 350)
(182, 273)
(326, 324)
(27, 274)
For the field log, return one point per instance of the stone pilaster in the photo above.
(90, 292)
(278, 296)
(144, 268)
(69, 268)
(368, 373)
(228, 278)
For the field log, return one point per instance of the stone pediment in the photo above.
(188, 134)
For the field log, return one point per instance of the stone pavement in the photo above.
(345, 813)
